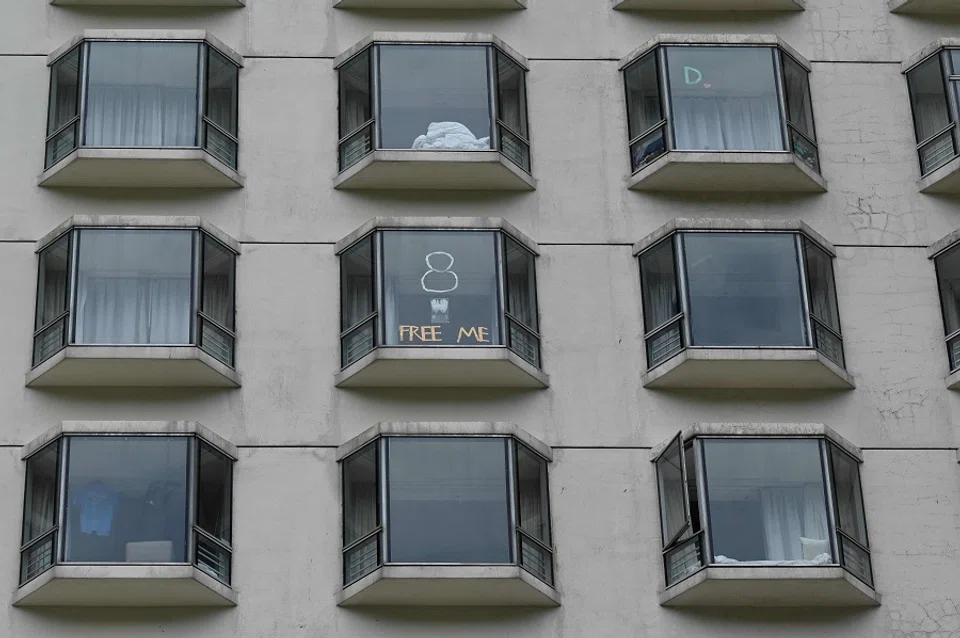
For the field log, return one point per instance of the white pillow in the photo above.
(813, 547)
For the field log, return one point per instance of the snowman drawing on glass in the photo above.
(439, 279)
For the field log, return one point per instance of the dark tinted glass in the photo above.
(846, 486)
(672, 489)
(356, 283)
(52, 285)
(744, 289)
(222, 91)
(134, 286)
(797, 87)
(214, 489)
(142, 94)
(355, 102)
(360, 512)
(440, 287)
(434, 97)
(40, 500)
(724, 99)
(658, 277)
(217, 299)
(126, 499)
(948, 274)
(521, 283)
(931, 113)
(512, 94)
(533, 496)
(64, 91)
(767, 501)
(448, 500)
(643, 95)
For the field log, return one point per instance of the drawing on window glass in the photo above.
(439, 307)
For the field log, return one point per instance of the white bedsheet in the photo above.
(450, 136)
(820, 559)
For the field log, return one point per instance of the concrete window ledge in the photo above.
(944, 180)
(430, 4)
(441, 585)
(923, 6)
(953, 380)
(168, 366)
(710, 5)
(796, 368)
(150, 3)
(124, 586)
(726, 172)
(496, 367)
(829, 586)
(137, 168)
(435, 170)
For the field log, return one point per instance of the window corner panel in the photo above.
(361, 493)
(672, 489)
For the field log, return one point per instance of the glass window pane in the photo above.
(948, 274)
(355, 101)
(744, 289)
(521, 283)
(440, 287)
(214, 492)
(533, 496)
(846, 486)
(820, 282)
(448, 500)
(218, 275)
(434, 97)
(724, 99)
(797, 88)
(643, 95)
(766, 501)
(221, 103)
(672, 490)
(40, 500)
(52, 284)
(356, 283)
(360, 511)
(512, 96)
(64, 91)
(126, 499)
(142, 94)
(658, 279)
(931, 113)
(134, 286)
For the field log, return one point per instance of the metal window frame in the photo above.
(830, 449)
(948, 336)
(950, 89)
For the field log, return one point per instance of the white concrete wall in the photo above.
(288, 417)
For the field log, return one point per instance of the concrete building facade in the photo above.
(561, 367)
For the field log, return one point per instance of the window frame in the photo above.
(667, 124)
(202, 76)
(951, 339)
(374, 50)
(505, 319)
(703, 539)
(951, 88)
(197, 317)
(514, 534)
(682, 319)
(192, 531)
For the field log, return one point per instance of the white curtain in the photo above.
(789, 513)
(727, 123)
(141, 116)
(142, 310)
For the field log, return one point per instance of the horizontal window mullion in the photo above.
(358, 325)
(73, 120)
(682, 541)
(823, 325)
(216, 324)
(512, 132)
(933, 137)
(362, 539)
(796, 129)
(209, 122)
(953, 335)
(39, 539)
(51, 322)
(213, 539)
(521, 324)
(650, 130)
(664, 326)
(854, 541)
(535, 540)
(355, 131)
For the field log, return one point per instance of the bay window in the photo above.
(947, 264)
(933, 85)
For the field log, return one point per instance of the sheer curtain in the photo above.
(788, 514)
(728, 123)
(142, 94)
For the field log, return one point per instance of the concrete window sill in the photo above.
(430, 4)
(682, 171)
(117, 366)
(435, 170)
(924, 6)
(829, 586)
(138, 168)
(749, 368)
(710, 5)
(953, 380)
(944, 180)
(427, 367)
(443, 585)
(124, 586)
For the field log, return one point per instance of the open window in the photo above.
(108, 294)
(720, 117)
(439, 306)
(756, 521)
(433, 114)
(761, 304)
(142, 112)
(932, 80)
(423, 514)
(127, 519)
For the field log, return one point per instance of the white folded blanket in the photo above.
(450, 136)
(821, 559)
